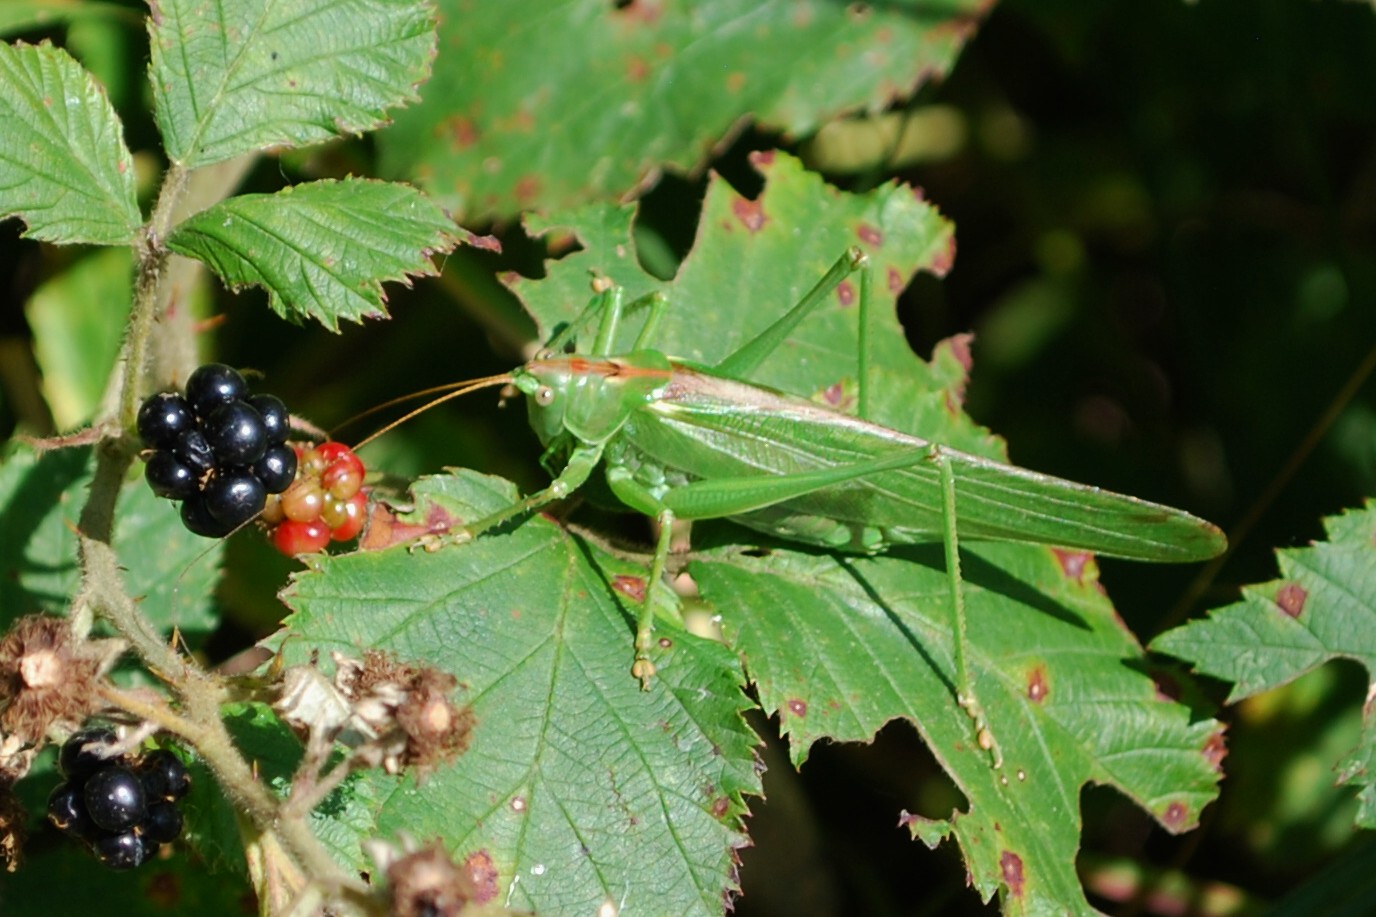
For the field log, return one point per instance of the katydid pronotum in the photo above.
(681, 442)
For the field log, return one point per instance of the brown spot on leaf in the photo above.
(1291, 599)
(735, 82)
(944, 259)
(1037, 686)
(647, 12)
(762, 159)
(797, 707)
(485, 243)
(870, 235)
(165, 890)
(386, 528)
(527, 189)
(633, 587)
(463, 132)
(895, 280)
(1216, 749)
(1010, 864)
(637, 68)
(1073, 563)
(1176, 816)
(834, 395)
(483, 874)
(845, 292)
(750, 213)
(721, 807)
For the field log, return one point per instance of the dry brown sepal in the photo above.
(423, 881)
(12, 819)
(393, 714)
(48, 681)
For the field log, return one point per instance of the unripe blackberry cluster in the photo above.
(123, 808)
(216, 448)
(326, 502)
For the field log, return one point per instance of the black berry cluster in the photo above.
(217, 449)
(123, 808)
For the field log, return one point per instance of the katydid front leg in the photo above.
(582, 461)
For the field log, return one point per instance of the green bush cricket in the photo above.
(681, 441)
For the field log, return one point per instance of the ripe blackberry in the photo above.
(197, 519)
(122, 807)
(120, 851)
(276, 469)
(164, 776)
(114, 799)
(212, 385)
(193, 450)
(233, 497)
(67, 811)
(163, 418)
(162, 824)
(168, 477)
(218, 449)
(276, 420)
(236, 433)
(86, 752)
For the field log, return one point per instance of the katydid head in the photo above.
(588, 397)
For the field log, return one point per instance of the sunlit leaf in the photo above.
(321, 249)
(64, 168)
(243, 75)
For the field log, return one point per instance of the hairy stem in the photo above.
(201, 695)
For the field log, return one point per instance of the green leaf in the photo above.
(839, 646)
(243, 75)
(548, 103)
(26, 15)
(579, 786)
(1323, 607)
(78, 320)
(749, 264)
(321, 249)
(64, 168)
(171, 571)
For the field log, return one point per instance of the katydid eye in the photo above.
(544, 396)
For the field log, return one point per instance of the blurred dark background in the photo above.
(1165, 215)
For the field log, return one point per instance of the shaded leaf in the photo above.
(25, 15)
(64, 168)
(1323, 607)
(321, 249)
(171, 571)
(244, 75)
(78, 320)
(580, 787)
(540, 104)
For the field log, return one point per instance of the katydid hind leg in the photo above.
(752, 353)
(965, 687)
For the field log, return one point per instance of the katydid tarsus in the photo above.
(680, 441)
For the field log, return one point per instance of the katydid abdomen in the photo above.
(697, 426)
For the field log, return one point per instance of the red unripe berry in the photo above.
(354, 511)
(310, 463)
(302, 501)
(344, 476)
(293, 537)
